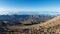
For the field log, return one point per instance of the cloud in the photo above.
(43, 10)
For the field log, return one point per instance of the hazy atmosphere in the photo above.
(44, 6)
(29, 16)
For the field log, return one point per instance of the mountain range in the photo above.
(24, 19)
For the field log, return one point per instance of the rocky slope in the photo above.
(50, 27)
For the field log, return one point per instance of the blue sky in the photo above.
(7, 6)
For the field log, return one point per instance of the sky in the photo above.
(11, 6)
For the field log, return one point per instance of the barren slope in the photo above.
(50, 27)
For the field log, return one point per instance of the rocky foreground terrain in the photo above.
(49, 27)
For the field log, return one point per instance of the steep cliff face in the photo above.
(49, 27)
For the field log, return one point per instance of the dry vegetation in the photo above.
(50, 27)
